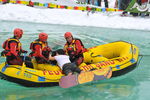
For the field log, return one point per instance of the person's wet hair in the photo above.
(53, 53)
(60, 52)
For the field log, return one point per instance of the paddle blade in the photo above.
(73, 80)
(68, 81)
(85, 77)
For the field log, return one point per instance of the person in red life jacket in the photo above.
(74, 48)
(13, 48)
(5, 1)
(40, 49)
(31, 4)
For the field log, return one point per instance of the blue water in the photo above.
(132, 86)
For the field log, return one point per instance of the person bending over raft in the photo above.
(64, 62)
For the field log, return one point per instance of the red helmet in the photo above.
(68, 34)
(43, 37)
(18, 32)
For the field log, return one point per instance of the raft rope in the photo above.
(116, 58)
(132, 55)
(144, 55)
(139, 60)
(132, 49)
(112, 59)
(35, 74)
(141, 57)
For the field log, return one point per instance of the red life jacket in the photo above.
(72, 47)
(44, 46)
(6, 46)
(143, 1)
(4, 0)
(31, 3)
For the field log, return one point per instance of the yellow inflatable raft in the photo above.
(121, 56)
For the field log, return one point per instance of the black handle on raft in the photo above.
(96, 55)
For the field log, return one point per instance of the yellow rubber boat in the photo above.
(121, 56)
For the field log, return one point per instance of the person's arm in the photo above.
(79, 47)
(38, 51)
(65, 49)
(51, 58)
(23, 51)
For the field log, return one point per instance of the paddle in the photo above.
(24, 56)
(73, 80)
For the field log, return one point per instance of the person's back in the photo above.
(64, 62)
(62, 59)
